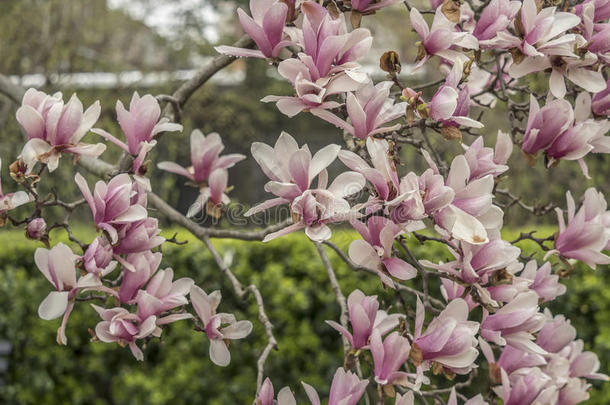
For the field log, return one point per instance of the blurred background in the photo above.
(107, 49)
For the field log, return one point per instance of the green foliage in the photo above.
(177, 369)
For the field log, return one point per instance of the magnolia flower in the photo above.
(311, 90)
(140, 268)
(574, 392)
(450, 104)
(451, 290)
(265, 395)
(265, 27)
(368, 109)
(556, 333)
(514, 323)
(208, 170)
(524, 388)
(375, 251)
(219, 327)
(471, 213)
(449, 339)
(496, 17)
(545, 284)
(119, 325)
(483, 160)
(584, 136)
(316, 208)
(58, 265)
(545, 124)
(140, 124)
(346, 389)
(98, 258)
(585, 235)
(583, 364)
(54, 128)
(389, 356)
(111, 203)
(383, 175)
(477, 263)
(601, 9)
(291, 169)
(163, 294)
(364, 316)
(440, 37)
(544, 45)
(327, 46)
(138, 236)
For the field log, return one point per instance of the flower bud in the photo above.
(36, 228)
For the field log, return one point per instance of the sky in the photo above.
(165, 15)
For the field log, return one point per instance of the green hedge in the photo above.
(176, 369)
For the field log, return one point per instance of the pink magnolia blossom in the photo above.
(483, 160)
(315, 209)
(140, 124)
(119, 325)
(585, 236)
(312, 91)
(368, 109)
(477, 263)
(208, 169)
(58, 265)
(138, 236)
(523, 388)
(111, 203)
(98, 258)
(441, 38)
(583, 364)
(291, 169)
(584, 136)
(449, 339)
(163, 294)
(140, 268)
(450, 104)
(556, 333)
(545, 124)
(345, 389)
(383, 175)
(496, 17)
(54, 128)
(451, 290)
(389, 356)
(218, 326)
(515, 323)
(545, 284)
(266, 394)
(544, 45)
(574, 392)
(365, 315)
(36, 228)
(471, 213)
(327, 46)
(12, 200)
(265, 27)
(375, 250)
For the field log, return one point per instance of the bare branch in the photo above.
(337, 290)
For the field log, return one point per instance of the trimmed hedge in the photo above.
(176, 370)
